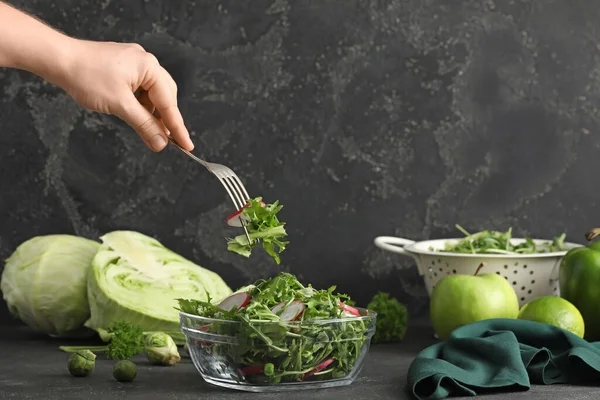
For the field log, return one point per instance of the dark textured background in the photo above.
(363, 118)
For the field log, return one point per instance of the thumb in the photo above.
(151, 130)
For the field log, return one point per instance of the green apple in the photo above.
(461, 299)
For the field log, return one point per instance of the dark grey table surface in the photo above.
(33, 367)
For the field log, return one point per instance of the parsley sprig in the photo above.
(125, 340)
(392, 318)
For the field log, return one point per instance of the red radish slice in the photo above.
(234, 218)
(203, 328)
(236, 300)
(253, 370)
(293, 311)
(318, 368)
(349, 309)
(277, 308)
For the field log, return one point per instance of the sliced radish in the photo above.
(234, 218)
(203, 328)
(236, 300)
(318, 368)
(203, 343)
(349, 309)
(293, 311)
(278, 308)
(253, 370)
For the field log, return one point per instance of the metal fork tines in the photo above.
(233, 185)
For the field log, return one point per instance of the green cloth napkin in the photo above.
(502, 355)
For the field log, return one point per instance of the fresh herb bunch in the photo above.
(494, 242)
(125, 341)
(271, 348)
(392, 318)
(263, 226)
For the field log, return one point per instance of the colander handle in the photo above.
(393, 244)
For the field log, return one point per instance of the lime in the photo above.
(555, 311)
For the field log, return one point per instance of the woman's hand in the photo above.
(100, 76)
(106, 76)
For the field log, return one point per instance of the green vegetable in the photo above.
(579, 282)
(161, 349)
(269, 369)
(262, 226)
(81, 363)
(494, 242)
(44, 283)
(392, 318)
(124, 371)
(271, 348)
(135, 278)
(125, 341)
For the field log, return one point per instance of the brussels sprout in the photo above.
(81, 363)
(125, 371)
(161, 349)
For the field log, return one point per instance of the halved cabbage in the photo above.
(44, 283)
(134, 277)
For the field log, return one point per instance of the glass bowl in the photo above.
(278, 356)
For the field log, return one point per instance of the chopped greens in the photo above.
(494, 242)
(392, 318)
(263, 226)
(284, 333)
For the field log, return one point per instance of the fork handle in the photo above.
(193, 157)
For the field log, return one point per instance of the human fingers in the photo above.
(162, 91)
(144, 100)
(150, 129)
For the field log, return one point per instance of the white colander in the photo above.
(531, 275)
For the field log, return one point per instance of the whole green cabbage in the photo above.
(133, 277)
(44, 283)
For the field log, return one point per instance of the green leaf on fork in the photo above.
(263, 227)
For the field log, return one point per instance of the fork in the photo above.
(228, 178)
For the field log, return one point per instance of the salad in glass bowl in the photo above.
(277, 334)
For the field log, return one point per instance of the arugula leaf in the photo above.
(204, 308)
(263, 227)
(286, 352)
(494, 242)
